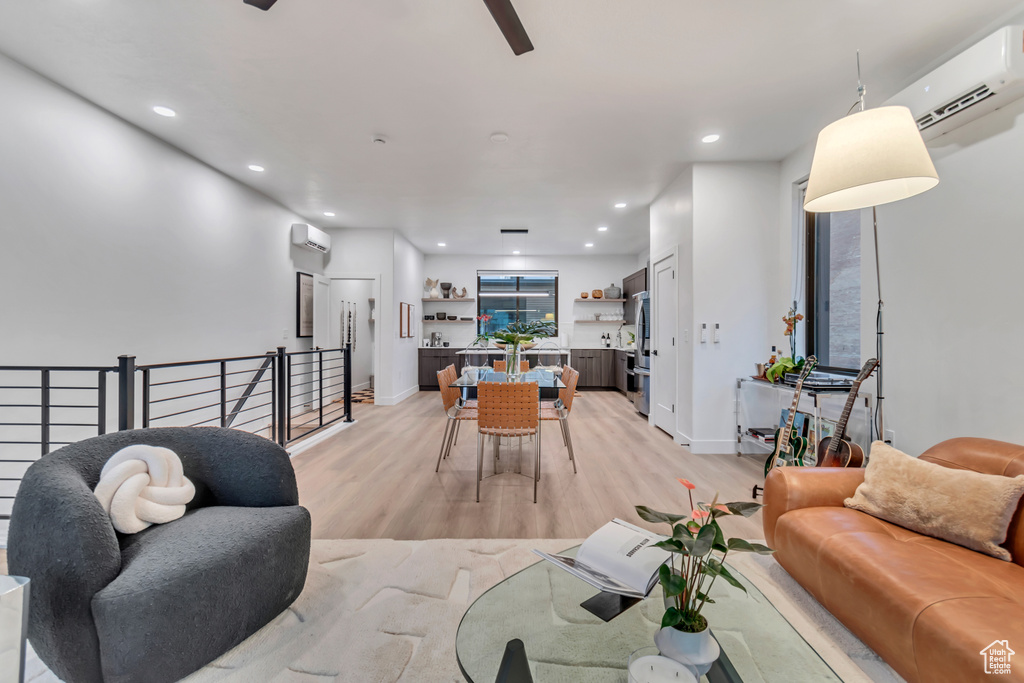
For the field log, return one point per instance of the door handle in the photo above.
(654, 352)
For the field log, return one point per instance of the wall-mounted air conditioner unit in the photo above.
(307, 236)
(982, 78)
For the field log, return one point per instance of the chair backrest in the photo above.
(549, 350)
(449, 394)
(570, 376)
(508, 405)
(500, 366)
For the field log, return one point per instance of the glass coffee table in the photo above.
(540, 605)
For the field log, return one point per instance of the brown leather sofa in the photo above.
(927, 607)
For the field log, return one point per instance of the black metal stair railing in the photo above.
(279, 395)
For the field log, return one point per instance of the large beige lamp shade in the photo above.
(869, 158)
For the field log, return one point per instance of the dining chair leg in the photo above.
(479, 463)
(458, 424)
(536, 464)
(497, 451)
(568, 443)
(451, 437)
(444, 442)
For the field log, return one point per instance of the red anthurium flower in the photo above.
(720, 508)
(687, 484)
(700, 514)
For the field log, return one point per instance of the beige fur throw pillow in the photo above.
(967, 508)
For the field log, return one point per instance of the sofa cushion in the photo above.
(878, 578)
(192, 589)
(949, 637)
(967, 508)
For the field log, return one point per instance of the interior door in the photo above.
(664, 314)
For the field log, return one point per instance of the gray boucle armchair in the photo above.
(158, 605)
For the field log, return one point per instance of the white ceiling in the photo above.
(609, 106)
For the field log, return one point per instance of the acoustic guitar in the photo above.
(790, 448)
(837, 450)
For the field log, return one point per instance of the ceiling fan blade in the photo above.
(508, 21)
(262, 4)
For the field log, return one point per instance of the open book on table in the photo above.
(617, 558)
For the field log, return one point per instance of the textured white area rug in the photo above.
(380, 611)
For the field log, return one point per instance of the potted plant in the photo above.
(698, 549)
(515, 335)
(787, 363)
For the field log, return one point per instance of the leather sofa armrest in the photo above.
(792, 488)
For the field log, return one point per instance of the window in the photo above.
(833, 289)
(510, 296)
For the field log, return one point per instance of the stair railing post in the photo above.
(320, 365)
(281, 396)
(347, 373)
(125, 392)
(44, 419)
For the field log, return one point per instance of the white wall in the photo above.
(952, 283)
(115, 243)
(576, 274)
(735, 206)
(720, 221)
(408, 288)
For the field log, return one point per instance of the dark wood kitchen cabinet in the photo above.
(621, 367)
(433, 361)
(596, 367)
(633, 284)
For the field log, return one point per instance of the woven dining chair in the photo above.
(455, 409)
(560, 409)
(502, 366)
(508, 409)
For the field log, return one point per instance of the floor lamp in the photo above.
(870, 157)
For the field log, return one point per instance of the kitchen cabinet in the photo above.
(596, 367)
(633, 284)
(433, 361)
(620, 370)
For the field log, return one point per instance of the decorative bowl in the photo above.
(453, 317)
(584, 295)
(526, 347)
(597, 294)
(441, 316)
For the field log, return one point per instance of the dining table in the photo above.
(548, 382)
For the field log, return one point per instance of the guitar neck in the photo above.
(788, 429)
(845, 417)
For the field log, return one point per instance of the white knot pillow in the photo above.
(143, 485)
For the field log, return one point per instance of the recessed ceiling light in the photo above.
(589, 244)
(516, 252)
(441, 244)
(257, 168)
(329, 214)
(714, 137)
(603, 228)
(620, 205)
(499, 138)
(165, 111)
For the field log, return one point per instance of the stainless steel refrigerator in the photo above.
(642, 360)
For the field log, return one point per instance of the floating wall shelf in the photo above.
(606, 322)
(447, 301)
(602, 301)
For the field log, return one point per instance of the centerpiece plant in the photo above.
(699, 549)
(515, 334)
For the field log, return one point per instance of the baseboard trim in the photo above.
(395, 400)
(306, 444)
(713, 447)
(360, 387)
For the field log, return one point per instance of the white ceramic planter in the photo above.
(697, 649)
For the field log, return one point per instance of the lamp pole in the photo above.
(879, 414)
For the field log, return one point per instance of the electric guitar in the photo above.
(789, 448)
(837, 450)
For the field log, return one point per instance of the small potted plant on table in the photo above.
(687, 580)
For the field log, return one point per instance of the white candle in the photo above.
(657, 669)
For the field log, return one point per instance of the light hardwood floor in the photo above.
(377, 480)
